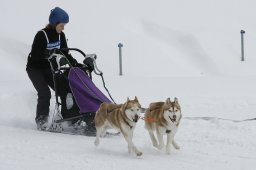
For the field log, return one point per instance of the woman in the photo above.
(38, 67)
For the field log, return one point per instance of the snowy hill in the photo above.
(185, 49)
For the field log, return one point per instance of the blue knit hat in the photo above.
(58, 15)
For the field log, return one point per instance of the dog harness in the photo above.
(127, 123)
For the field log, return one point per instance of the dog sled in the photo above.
(77, 97)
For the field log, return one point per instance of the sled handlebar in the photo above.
(67, 49)
(93, 56)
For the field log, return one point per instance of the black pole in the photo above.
(120, 59)
(242, 44)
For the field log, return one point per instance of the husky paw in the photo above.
(96, 142)
(176, 146)
(139, 154)
(160, 147)
(155, 145)
(168, 150)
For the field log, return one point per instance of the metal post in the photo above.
(120, 58)
(242, 44)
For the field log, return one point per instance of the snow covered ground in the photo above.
(184, 49)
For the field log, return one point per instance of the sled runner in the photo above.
(77, 97)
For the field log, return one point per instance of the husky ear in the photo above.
(176, 100)
(136, 99)
(127, 99)
(168, 100)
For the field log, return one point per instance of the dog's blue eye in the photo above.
(170, 110)
(132, 110)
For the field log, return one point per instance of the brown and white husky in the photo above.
(122, 117)
(164, 118)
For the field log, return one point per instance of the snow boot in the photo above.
(90, 129)
(42, 122)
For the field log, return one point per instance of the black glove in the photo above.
(80, 65)
(89, 64)
(72, 61)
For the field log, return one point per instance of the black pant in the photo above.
(42, 79)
